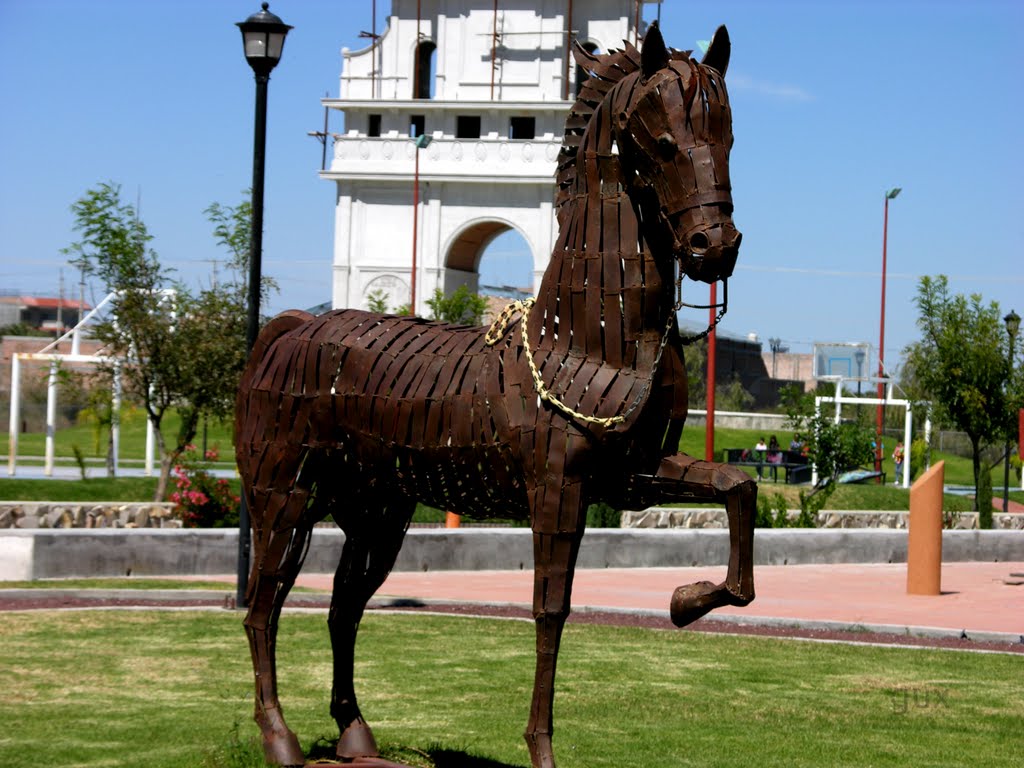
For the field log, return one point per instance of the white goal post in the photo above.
(839, 399)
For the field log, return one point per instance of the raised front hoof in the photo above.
(357, 743)
(541, 754)
(692, 601)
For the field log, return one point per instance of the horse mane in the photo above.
(605, 71)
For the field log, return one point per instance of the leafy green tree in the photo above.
(232, 228)
(178, 349)
(377, 301)
(834, 448)
(460, 307)
(961, 365)
(729, 395)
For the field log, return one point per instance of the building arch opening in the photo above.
(423, 76)
(491, 258)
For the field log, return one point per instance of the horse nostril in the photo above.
(699, 242)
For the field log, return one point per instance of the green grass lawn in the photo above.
(173, 689)
(133, 439)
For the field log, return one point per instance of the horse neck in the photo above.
(602, 295)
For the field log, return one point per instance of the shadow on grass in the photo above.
(433, 756)
(450, 758)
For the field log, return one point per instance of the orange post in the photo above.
(924, 540)
(451, 520)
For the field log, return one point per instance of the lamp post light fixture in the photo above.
(263, 36)
(890, 195)
(859, 357)
(1012, 321)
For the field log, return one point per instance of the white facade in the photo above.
(495, 124)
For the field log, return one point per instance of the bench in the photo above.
(794, 465)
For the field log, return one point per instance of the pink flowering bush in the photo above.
(202, 500)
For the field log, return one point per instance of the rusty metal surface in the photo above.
(358, 415)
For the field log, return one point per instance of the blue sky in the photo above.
(833, 104)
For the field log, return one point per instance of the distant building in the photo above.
(489, 86)
(743, 358)
(41, 312)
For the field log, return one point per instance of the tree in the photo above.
(176, 349)
(961, 364)
(232, 228)
(460, 307)
(833, 447)
(729, 395)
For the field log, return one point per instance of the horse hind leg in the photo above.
(281, 535)
(683, 478)
(371, 547)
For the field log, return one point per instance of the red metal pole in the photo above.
(415, 229)
(709, 421)
(373, 53)
(416, 53)
(494, 47)
(568, 52)
(881, 348)
(636, 36)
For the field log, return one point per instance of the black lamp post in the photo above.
(1012, 321)
(859, 357)
(263, 37)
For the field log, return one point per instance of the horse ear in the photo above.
(654, 55)
(717, 56)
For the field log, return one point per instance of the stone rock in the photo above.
(28, 521)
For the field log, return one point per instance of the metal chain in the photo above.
(500, 325)
(502, 322)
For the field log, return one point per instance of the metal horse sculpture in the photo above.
(575, 397)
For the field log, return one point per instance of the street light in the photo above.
(422, 142)
(859, 357)
(1012, 321)
(890, 195)
(263, 37)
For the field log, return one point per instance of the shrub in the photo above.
(772, 512)
(601, 515)
(202, 500)
(918, 455)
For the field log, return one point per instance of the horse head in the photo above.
(673, 129)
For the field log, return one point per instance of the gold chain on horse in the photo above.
(500, 326)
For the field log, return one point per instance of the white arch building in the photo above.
(490, 84)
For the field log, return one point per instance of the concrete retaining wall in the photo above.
(42, 553)
(690, 517)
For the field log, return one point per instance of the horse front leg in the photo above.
(684, 478)
(557, 532)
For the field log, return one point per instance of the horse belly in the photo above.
(479, 482)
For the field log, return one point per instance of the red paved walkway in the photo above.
(975, 597)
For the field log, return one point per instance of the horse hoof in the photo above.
(283, 749)
(692, 601)
(356, 741)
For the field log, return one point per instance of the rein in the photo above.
(501, 324)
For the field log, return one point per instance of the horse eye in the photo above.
(667, 143)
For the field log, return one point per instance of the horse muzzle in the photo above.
(709, 254)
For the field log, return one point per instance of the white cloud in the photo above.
(782, 91)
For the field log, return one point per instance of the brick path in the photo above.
(975, 598)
